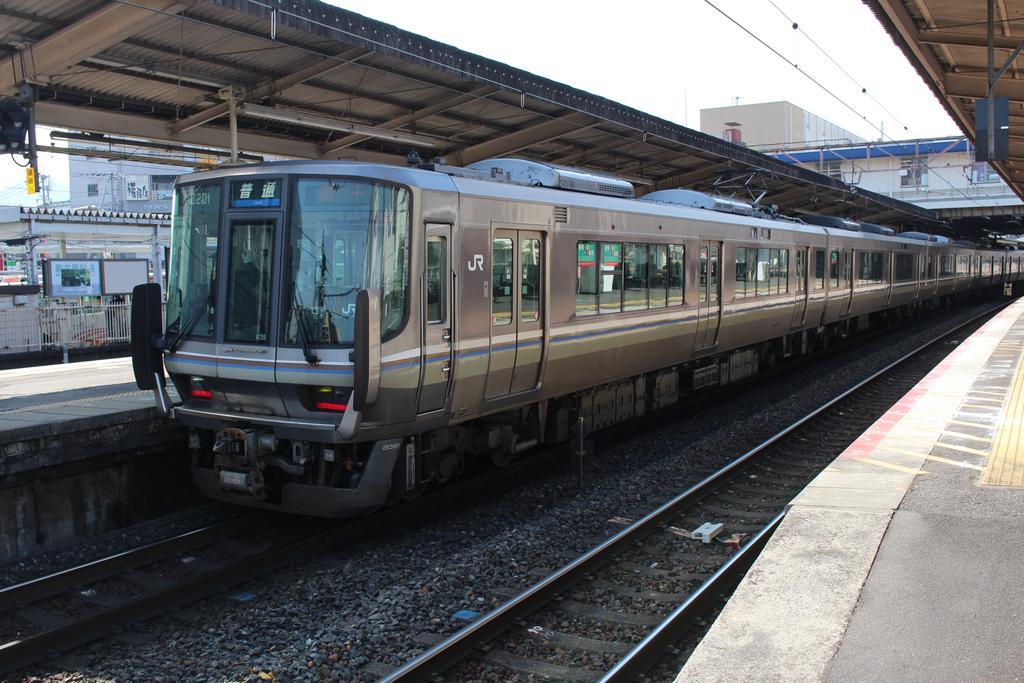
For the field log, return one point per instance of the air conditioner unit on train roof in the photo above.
(539, 174)
(700, 200)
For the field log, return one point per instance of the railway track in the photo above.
(52, 614)
(643, 594)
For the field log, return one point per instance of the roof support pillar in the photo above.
(232, 101)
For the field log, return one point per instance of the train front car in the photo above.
(293, 331)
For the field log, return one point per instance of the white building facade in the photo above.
(937, 173)
(118, 185)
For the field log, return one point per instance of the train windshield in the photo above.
(190, 303)
(345, 235)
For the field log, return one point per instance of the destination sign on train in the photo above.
(256, 193)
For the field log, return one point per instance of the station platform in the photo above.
(24, 390)
(901, 560)
(81, 449)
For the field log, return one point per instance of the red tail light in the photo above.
(328, 405)
(202, 393)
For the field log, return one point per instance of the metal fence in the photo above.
(24, 328)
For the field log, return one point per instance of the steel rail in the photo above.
(52, 584)
(649, 650)
(461, 644)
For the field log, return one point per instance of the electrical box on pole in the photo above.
(31, 181)
(13, 127)
(1001, 121)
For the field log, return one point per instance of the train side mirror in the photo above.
(366, 355)
(147, 327)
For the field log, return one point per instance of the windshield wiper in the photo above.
(187, 327)
(307, 347)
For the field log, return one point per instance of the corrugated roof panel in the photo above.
(116, 85)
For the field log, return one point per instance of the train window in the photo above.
(871, 268)
(931, 266)
(800, 269)
(193, 258)
(962, 265)
(586, 278)
(503, 281)
(702, 294)
(780, 271)
(744, 272)
(819, 269)
(713, 282)
(658, 254)
(904, 267)
(634, 277)
(833, 273)
(764, 265)
(610, 298)
(529, 262)
(946, 265)
(344, 236)
(676, 273)
(248, 313)
(436, 269)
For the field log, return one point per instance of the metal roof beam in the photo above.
(965, 39)
(686, 178)
(309, 68)
(962, 85)
(603, 148)
(90, 35)
(522, 138)
(783, 197)
(84, 118)
(445, 105)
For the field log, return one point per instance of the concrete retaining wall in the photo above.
(68, 480)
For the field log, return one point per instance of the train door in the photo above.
(848, 281)
(920, 272)
(437, 327)
(800, 310)
(517, 315)
(248, 349)
(709, 295)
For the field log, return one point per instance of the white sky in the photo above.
(670, 58)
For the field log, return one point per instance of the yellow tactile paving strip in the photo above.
(1005, 466)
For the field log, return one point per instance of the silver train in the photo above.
(343, 334)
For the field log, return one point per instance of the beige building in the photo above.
(773, 125)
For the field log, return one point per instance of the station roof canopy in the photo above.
(947, 42)
(315, 81)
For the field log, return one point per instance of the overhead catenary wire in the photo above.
(832, 94)
(828, 55)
